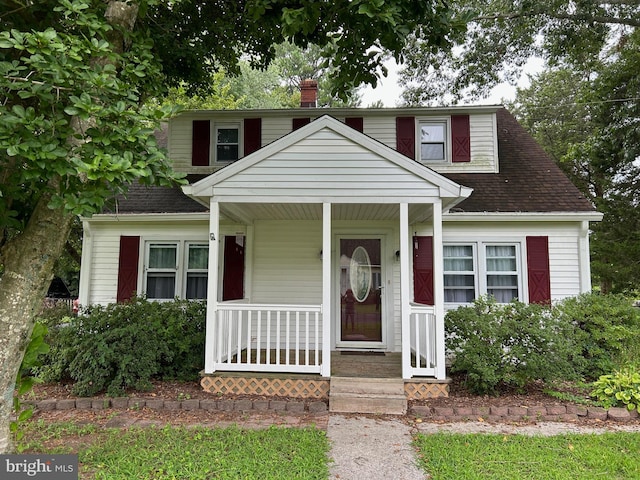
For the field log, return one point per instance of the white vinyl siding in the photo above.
(287, 268)
(331, 171)
(99, 280)
(484, 147)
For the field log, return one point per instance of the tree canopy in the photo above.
(589, 122)
(502, 36)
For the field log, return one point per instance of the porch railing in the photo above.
(423, 337)
(268, 338)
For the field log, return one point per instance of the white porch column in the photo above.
(405, 293)
(212, 286)
(326, 290)
(438, 289)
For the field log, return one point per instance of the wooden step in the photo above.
(367, 395)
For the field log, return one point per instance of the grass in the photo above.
(501, 457)
(186, 453)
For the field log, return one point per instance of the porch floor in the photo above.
(366, 364)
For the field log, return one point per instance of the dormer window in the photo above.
(433, 141)
(227, 143)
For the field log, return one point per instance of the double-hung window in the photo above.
(433, 141)
(459, 274)
(196, 272)
(161, 271)
(176, 270)
(481, 268)
(502, 272)
(227, 137)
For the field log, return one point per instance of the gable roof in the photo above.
(528, 181)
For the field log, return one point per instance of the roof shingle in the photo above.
(529, 181)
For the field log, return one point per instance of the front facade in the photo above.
(312, 232)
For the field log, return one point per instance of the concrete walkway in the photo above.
(380, 447)
(371, 448)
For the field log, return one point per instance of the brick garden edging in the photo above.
(553, 413)
(210, 404)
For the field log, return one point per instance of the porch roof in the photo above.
(325, 161)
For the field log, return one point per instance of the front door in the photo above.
(361, 299)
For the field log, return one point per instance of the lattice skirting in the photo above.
(424, 390)
(271, 387)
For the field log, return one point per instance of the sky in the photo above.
(389, 92)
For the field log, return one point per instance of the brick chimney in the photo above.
(309, 93)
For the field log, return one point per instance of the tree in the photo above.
(74, 131)
(590, 125)
(502, 36)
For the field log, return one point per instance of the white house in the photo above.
(312, 232)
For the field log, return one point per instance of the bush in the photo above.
(618, 390)
(607, 331)
(510, 345)
(127, 345)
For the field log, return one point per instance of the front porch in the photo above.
(291, 339)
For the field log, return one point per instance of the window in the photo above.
(433, 141)
(459, 274)
(197, 268)
(167, 276)
(161, 270)
(227, 143)
(481, 268)
(502, 272)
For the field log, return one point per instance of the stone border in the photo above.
(209, 404)
(553, 413)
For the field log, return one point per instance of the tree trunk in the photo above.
(28, 268)
(30, 256)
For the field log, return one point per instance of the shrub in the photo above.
(620, 389)
(124, 346)
(510, 345)
(607, 331)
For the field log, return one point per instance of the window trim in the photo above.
(227, 125)
(446, 121)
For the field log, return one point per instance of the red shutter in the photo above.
(200, 142)
(252, 135)
(233, 273)
(406, 136)
(296, 123)
(357, 123)
(538, 270)
(460, 139)
(423, 270)
(128, 268)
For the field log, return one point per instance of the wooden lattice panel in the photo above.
(422, 391)
(271, 387)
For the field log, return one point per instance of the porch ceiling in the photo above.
(249, 212)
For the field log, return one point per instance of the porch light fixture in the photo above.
(212, 237)
(320, 254)
(397, 255)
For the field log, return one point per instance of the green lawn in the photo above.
(500, 457)
(186, 453)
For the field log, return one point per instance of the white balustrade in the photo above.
(268, 338)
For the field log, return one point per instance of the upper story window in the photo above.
(433, 141)
(227, 138)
